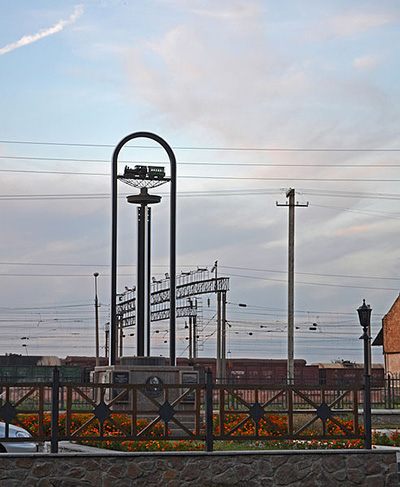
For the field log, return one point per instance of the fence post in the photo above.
(209, 411)
(54, 409)
(389, 392)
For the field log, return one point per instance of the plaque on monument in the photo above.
(154, 391)
(189, 378)
(121, 377)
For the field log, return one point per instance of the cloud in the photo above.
(232, 11)
(350, 23)
(26, 40)
(228, 83)
(356, 229)
(224, 9)
(366, 62)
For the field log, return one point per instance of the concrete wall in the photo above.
(192, 469)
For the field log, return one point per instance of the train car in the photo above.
(156, 172)
(348, 373)
(144, 172)
(241, 370)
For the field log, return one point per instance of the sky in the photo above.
(254, 97)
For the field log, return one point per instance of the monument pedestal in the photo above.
(155, 397)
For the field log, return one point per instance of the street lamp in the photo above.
(364, 315)
(96, 318)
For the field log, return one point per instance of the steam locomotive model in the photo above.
(144, 172)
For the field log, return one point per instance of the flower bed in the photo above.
(245, 428)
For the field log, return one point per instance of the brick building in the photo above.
(389, 338)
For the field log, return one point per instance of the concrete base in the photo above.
(384, 417)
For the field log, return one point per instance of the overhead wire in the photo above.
(204, 163)
(352, 276)
(380, 196)
(207, 148)
(226, 178)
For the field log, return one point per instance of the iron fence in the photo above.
(55, 411)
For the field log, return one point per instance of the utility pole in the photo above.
(223, 338)
(194, 324)
(290, 193)
(96, 318)
(192, 329)
(218, 364)
(190, 338)
(107, 338)
(221, 328)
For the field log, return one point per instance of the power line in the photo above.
(73, 173)
(221, 192)
(230, 149)
(227, 178)
(202, 163)
(316, 283)
(62, 196)
(53, 306)
(312, 273)
(252, 269)
(382, 214)
(269, 279)
(348, 194)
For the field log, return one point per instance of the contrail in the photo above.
(25, 40)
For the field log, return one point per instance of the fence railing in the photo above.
(207, 412)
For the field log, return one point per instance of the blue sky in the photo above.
(254, 97)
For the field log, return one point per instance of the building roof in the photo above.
(378, 342)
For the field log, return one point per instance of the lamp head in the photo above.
(364, 314)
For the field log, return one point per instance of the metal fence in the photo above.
(206, 412)
(392, 391)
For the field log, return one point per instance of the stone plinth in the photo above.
(149, 399)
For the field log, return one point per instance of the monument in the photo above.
(154, 376)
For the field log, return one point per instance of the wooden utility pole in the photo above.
(292, 204)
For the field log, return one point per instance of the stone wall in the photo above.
(184, 469)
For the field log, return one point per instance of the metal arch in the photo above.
(114, 227)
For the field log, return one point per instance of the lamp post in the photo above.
(172, 260)
(364, 315)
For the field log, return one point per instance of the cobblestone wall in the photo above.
(249, 469)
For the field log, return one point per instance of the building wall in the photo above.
(392, 363)
(391, 329)
(193, 469)
(390, 340)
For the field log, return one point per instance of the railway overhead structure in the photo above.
(189, 288)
